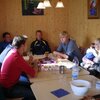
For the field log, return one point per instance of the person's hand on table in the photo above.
(94, 97)
(60, 55)
(87, 98)
(46, 54)
(87, 61)
(30, 61)
(87, 65)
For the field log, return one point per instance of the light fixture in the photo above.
(47, 3)
(60, 4)
(41, 5)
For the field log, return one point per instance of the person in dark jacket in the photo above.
(39, 46)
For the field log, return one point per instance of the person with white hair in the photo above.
(95, 67)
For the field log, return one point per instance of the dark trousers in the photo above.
(18, 91)
(21, 89)
(2, 95)
(94, 73)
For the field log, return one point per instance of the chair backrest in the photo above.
(82, 50)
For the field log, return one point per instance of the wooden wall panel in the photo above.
(52, 22)
(72, 18)
(81, 28)
(2, 18)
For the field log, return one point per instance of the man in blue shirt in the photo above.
(68, 48)
(6, 40)
(39, 46)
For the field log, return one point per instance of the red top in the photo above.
(12, 67)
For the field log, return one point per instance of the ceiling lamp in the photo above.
(47, 3)
(60, 4)
(41, 5)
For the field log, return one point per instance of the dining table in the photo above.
(49, 79)
(50, 68)
(43, 90)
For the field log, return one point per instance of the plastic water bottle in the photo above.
(75, 72)
(75, 60)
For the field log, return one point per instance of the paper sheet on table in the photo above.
(66, 64)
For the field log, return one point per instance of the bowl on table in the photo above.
(80, 87)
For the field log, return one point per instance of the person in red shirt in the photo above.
(12, 67)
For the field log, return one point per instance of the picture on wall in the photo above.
(93, 9)
(29, 7)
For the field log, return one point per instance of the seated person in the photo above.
(92, 49)
(88, 58)
(68, 48)
(11, 69)
(39, 46)
(23, 78)
(6, 50)
(94, 67)
(6, 40)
